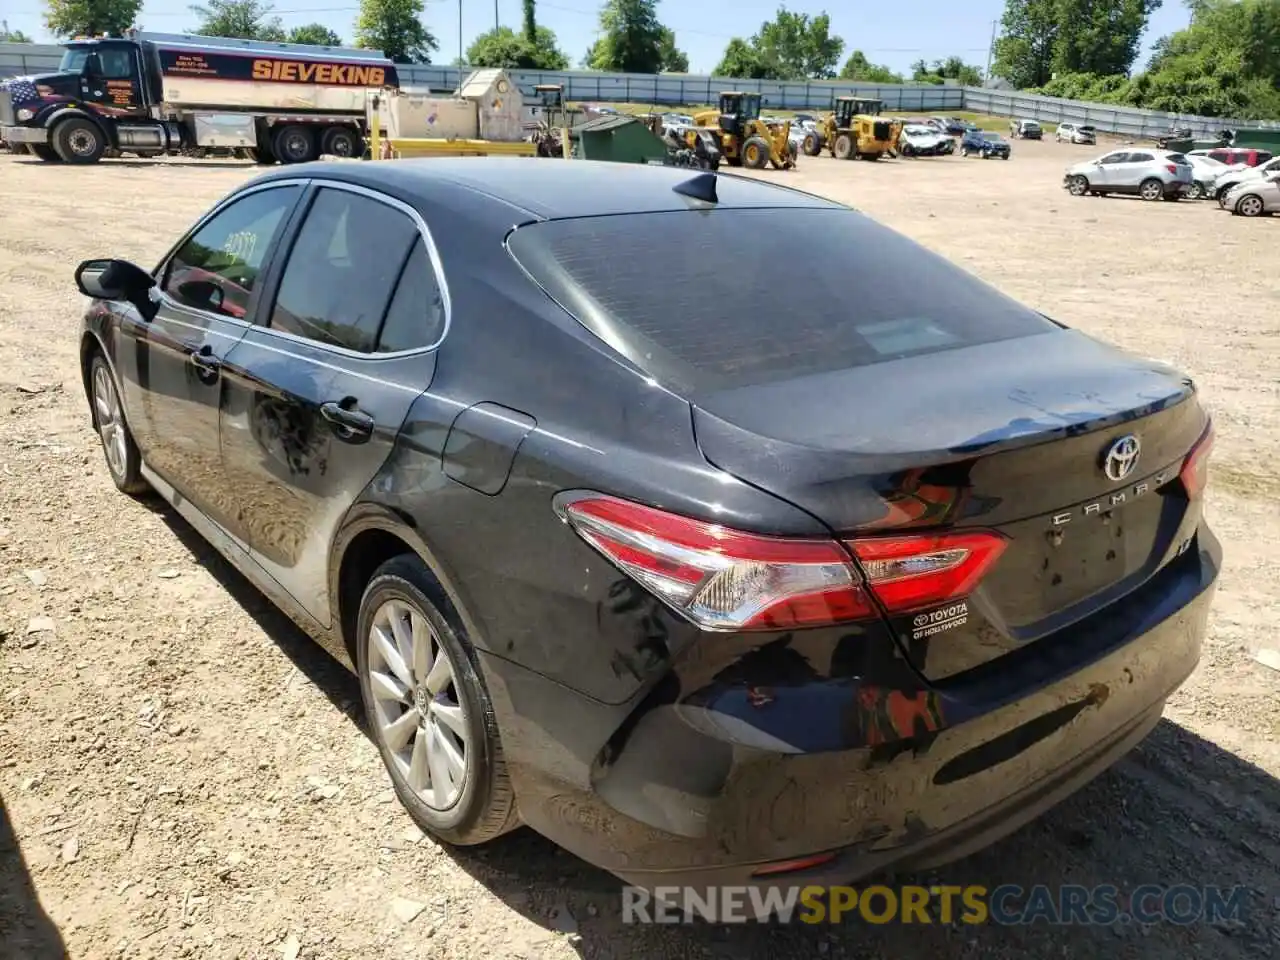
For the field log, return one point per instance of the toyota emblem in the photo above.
(1121, 458)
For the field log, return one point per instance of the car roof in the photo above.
(553, 189)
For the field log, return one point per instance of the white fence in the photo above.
(17, 59)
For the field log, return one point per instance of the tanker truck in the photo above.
(154, 93)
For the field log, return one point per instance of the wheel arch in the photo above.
(371, 535)
(59, 116)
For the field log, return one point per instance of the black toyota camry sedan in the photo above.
(625, 543)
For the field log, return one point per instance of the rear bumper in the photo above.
(24, 134)
(701, 795)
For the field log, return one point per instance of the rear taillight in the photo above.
(725, 579)
(1171, 167)
(1195, 469)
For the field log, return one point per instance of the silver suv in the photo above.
(1151, 174)
(1076, 133)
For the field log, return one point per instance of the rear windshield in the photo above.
(720, 299)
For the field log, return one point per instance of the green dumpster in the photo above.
(617, 138)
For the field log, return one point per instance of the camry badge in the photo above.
(1121, 458)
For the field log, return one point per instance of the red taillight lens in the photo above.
(907, 573)
(1171, 167)
(724, 579)
(1195, 469)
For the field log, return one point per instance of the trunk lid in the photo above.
(1011, 436)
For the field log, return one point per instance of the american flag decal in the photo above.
(21, 90)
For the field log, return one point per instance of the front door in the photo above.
(112, 80)
(170, 365)
(1106, 173)
(318, 390)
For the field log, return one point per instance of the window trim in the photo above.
(161, 272)
(433, 255)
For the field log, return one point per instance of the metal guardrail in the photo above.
(667, 89)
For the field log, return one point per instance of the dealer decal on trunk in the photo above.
(936, 621)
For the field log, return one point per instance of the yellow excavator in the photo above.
(854, 129)
(745, 139)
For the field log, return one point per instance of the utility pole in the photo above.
(991, 48)
(461, 55)
(495, 14)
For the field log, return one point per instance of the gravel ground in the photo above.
(182, 774)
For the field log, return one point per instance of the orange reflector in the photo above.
(792, 866)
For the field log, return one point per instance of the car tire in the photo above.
(1250, 205)
(79, 141)
(405, 719)
(1151, 189)
(1195, 191)
(294, 144)
(964, 151)
(124, 462)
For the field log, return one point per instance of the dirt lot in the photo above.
(185, 775)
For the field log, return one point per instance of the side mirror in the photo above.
(116, 280)
(93, 66)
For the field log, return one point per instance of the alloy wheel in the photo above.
(1250, 206)
(418, 713)
(1151, 190)
(111, 429)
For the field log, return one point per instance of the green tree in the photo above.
(504, 48)
(12, 36)
(742, 60)
(242, 19)
(801, 45)
(315, 33)
(861, 70)
(674, 60)
(530, 16)
(70, 18)
(631, 38)
(940, 71)
(395, 27)
(1100, 36)
(1026, 47)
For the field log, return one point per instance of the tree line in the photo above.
(1226, 63)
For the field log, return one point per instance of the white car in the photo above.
(1204, 174)
(1254, 198)
(918, 140)
(1231, 178)
(1076, 133)
(1150, 174)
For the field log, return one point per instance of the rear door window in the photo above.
(342, 270)
(707, 300)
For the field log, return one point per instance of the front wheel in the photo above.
(1078, 186)
(79, 141)
(124, 463)
(812, 144)
(1195, 191)
(755, 153)
(1151, 189)
(843, 147)
(428, 711)
(964, 151)
(1250, 205)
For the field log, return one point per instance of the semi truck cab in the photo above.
(153, 94)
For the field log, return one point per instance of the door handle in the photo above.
(349, 424)
(206, 364)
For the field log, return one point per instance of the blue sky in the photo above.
(894, 33)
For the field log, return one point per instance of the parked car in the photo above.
(1230, 178)
(985, 144)
(834, 597)
(1025, 130)
(918, 140)
(1205, 172)
(1254, 198)
(953, 126)
(1150, 174)
(1235, 155)
(1076, 133)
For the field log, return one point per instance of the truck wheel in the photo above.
(812, 144)
(44, 152)
(341, 142)
(79, 141)
(842, 148)
(755, 153)
(294, 144)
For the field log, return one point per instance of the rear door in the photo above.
(317, 391)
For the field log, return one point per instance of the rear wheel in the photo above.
(341, 142)
(428, 711)
(812, 144)
(1250, 205)
(1195, 191)
(964, 151)
(79, 141)
(755, 153)
(1151, 189)
(294, 144)
(843, 147)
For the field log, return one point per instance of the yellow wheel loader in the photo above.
(745, 139)
(854, 129)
